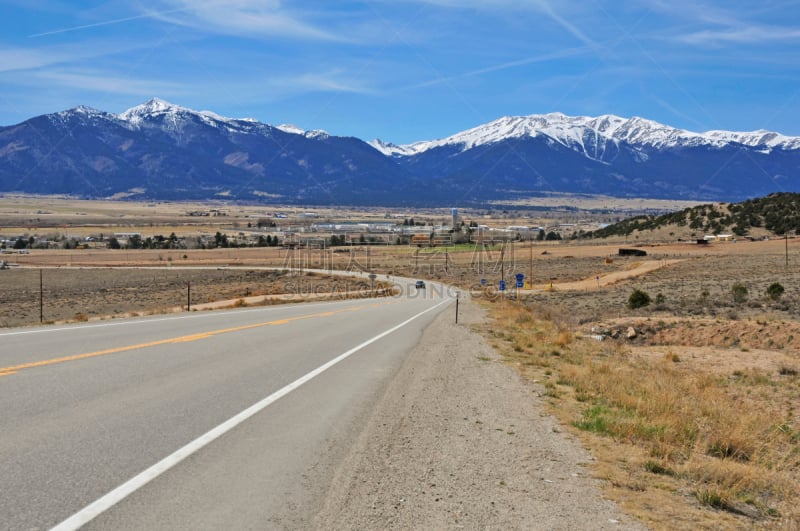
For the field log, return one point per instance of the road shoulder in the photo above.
(460, 440)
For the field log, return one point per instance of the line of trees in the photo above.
(220, 240)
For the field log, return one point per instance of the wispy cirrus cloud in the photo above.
(753, 34)
(110, 22)
(100, 81)
(19, 58)
(561, 54)
(725, 25)
(694, 11)
(250, 18)
(542, 6)
(330, 81)
(242, 18)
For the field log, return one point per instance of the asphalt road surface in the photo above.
(206, 420)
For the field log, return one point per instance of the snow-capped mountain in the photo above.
(159, 150)
(591, 136)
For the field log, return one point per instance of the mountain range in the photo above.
(161, 151)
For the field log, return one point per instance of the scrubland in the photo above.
(690, 404)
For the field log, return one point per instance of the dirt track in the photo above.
(605, 279)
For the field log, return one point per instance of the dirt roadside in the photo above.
(606, 279)
(459, 440)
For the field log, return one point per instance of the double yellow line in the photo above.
(7, 371)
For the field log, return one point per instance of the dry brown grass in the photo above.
(99, 293)
(680, 447)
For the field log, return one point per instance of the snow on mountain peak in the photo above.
(83, 109)
(155, 106)
(152, 106)
(294, 130)
(85, 113)
(387, 148)
(289, 128)
(320, 134)
(591, 136)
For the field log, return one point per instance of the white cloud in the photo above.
(104, 23)
(694, 11)
(726, 26)
(332, 81)
(242, 17)
(569, 52)
(19, 58)
(99, 81)
(12, 59)
(741, 35)
(504, 7)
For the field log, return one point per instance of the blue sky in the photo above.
(408, 70)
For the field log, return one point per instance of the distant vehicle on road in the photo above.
(420, 284)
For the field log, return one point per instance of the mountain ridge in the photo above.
(158, 150)
(571, 130)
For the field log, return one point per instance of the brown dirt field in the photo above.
(680, 272)
(91, 293)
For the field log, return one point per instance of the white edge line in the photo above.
(110, 499)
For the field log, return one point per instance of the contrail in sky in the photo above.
(108, 22)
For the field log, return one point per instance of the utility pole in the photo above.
(41, 297)
(480, 251)
(502, 262)
(530, 270)
(513, 258)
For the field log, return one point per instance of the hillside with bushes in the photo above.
(777, 213)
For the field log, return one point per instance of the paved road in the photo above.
(144, 424)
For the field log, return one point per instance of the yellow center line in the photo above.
(7, 371)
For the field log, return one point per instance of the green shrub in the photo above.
(638, 299)
(739, 293)
(775, 291)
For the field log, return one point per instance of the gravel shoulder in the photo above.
(460, 440)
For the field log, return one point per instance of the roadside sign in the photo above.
(520, 280)
(483, 282)
(502, 285)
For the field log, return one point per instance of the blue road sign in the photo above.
(502, 285)
(483, 282)
(520, 280)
